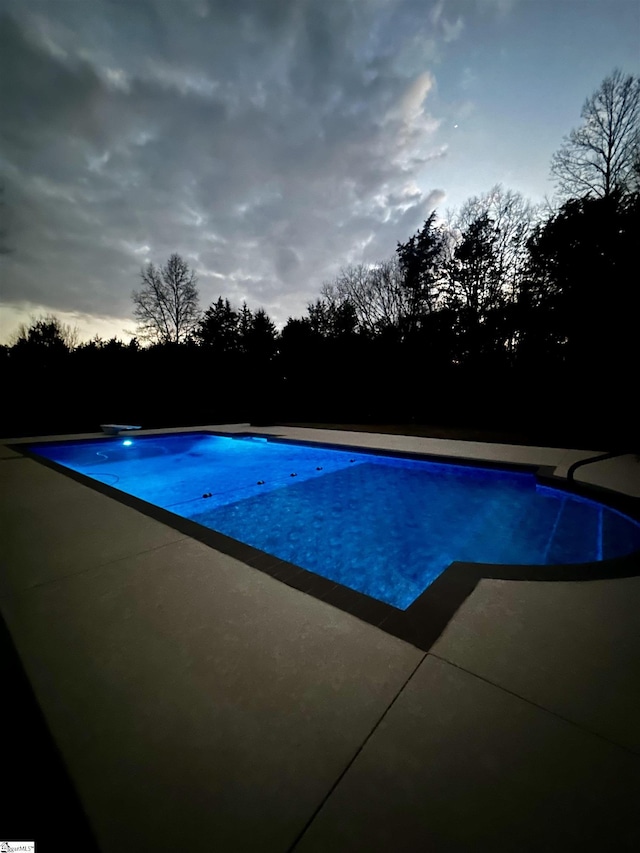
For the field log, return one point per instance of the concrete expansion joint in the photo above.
(536, 705)
(355, 755)
(99, 566)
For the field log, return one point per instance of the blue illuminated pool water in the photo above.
(383, 525)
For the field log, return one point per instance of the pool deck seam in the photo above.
(585, 729)
(98, 566)
(350, 763)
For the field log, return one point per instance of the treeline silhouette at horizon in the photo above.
(444, 335)
(502, 317)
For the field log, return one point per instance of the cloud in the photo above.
(501, 7)
(451, 29)
(413, 98)
(267, 142)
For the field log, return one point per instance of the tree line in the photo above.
(502, 313)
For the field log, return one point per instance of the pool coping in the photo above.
(423, 622)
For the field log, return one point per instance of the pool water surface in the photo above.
(383, 525)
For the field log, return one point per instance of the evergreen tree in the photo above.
(421, 261)
(219, 328)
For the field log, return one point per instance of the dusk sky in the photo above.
(269, 142)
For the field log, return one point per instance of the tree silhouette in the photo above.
(261, 341)
(582, 260)
(332, 317)
(218, 328)
(45, 336)
(166, 307)
(376, 294)
(474, 290)
(475, 277)
(421, 260)
(601, 157)
(245, 324)
(513, 219)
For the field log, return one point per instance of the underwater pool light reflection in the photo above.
(127, 442)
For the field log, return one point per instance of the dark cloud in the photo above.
(267, 142)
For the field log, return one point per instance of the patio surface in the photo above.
(199, 704)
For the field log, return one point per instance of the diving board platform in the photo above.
(116, 429)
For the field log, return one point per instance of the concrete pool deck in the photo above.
(200, 704)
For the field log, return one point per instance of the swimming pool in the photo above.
(386, 526)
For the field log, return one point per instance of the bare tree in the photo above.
(166, 307)
(375, 292)
(513, 218)
(600, 157)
